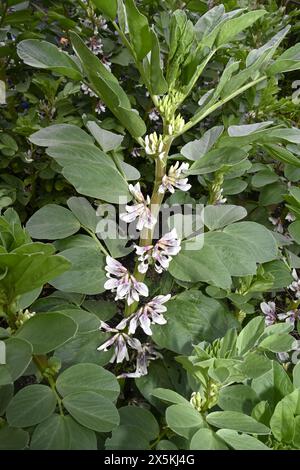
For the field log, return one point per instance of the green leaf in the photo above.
(108, 8)
(236, 421)
(234, 26)
(214, 160)
(29, 271)
(167, 374)
(264, 177)
(206, 439)
(139, 31)
(99, 171)
(60, 134)
(108, 88)
(106, 139)
(169, 396)
(5, 376)
(87, 322)
(86, 275)
(127, 437)
(241, 441)
(247, 129)
(31, 405)
(98, 181)
(184, 420)
(81, 438)
(44, 55)
(250, 334)
(282, 154)
(274, 385)
(282, 421)
(75, 152)
(88, 377)
(92, 410)
(237, 256)
(140, 418)
(294, 230)
(51, 434)
(52, 222)
(258, 237)
(296, 375)
(196, 149)
(216, 217)
(192, 317)
(47, 331)
(158, 82)
(6, 394)
(278, 343)
(84, 212)
(18, 356)
(166, 445)
(13, 439)
(238, 398)
(286, 62)
(83, 348)
(200, 265)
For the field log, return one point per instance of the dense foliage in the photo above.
(150, 225)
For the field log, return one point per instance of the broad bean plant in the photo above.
(153, 303)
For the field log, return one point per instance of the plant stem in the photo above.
(42, 364)
(155, 204)
(94, 236)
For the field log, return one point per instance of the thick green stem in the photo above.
(155, 204)
(42, 364)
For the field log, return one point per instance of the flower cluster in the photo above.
(95, 45)
(123, 283)
(120, 340)
(153, 115)
(151, 312)
(144, 356)
(139, 210)
(100, 107)
(175, 179)
(154, 145)
(271, 317)
(295, 285)
(87, 90)
(176, 125)
(161, 253)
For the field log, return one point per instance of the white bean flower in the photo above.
(139, 210)
(290, 317)
(295, 285)
(161, 253)
(100, 107)
(150, 313)
(153, 115)
(119, 341)
(269, 310)
(175, 179)
(123, 283)
(146, 354)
